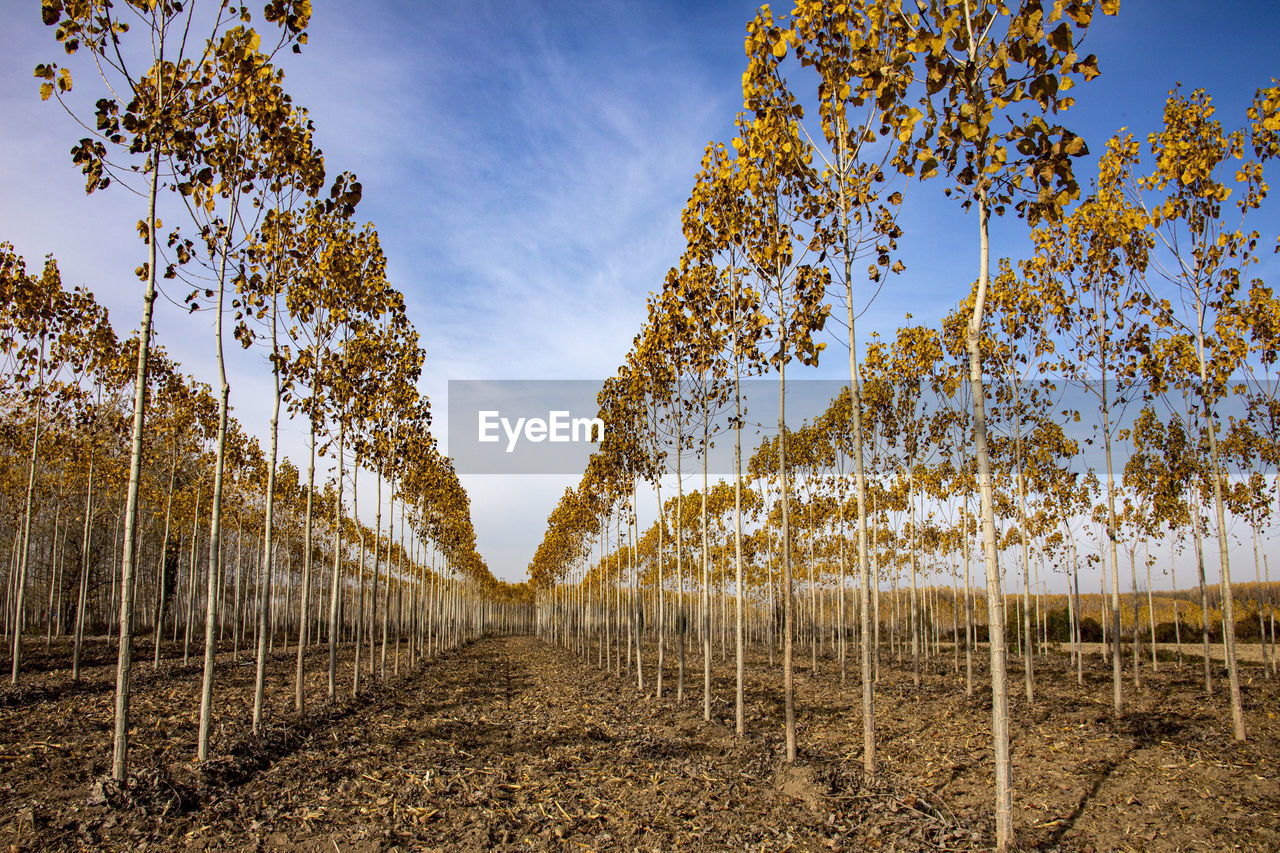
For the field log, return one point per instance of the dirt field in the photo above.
(513, 744)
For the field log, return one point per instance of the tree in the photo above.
(856, 50)
(976, 60)
(776, 169)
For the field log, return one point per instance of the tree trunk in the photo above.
(1257, 569)
(235, 602)
(968, 601)
(1137, 634)
(360, 621)
(1117, 676)
(188, 612)
(164, 554)
(20, 600)
(337, 571)
(1224, 564)
(1151, 611)
(995, 597)
(788, 627)
(705, 592)
(1204, 594)
(1177, 618)
(124, 660)
(265, 569)
(304, 583)
(661, 587)
(377, 564)
(915, 603)
(680, 617)
(84, 572)
(1027, 657)
(634, 534)
(215, 522)
(386, 593)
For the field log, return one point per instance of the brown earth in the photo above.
(1166, 776)
(513, 744)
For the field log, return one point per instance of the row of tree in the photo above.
(1139, 292)
(184, 520)
(920, 526)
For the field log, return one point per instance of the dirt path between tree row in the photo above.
(514, 744)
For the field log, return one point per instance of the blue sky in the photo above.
(526, 164)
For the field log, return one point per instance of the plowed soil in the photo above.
(514, 744)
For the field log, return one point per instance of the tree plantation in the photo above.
(1006, 586)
